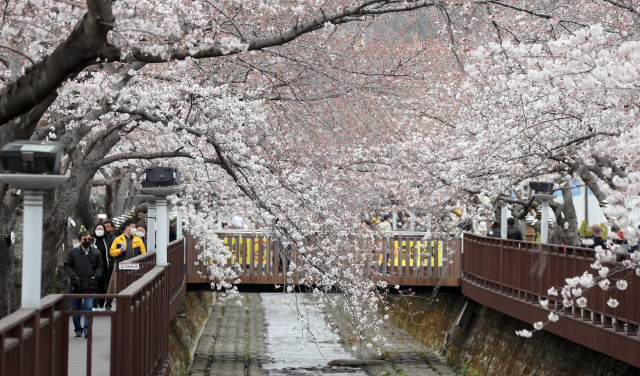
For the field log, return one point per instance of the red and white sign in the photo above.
(129, 266)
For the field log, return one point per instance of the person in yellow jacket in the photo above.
(127, 245)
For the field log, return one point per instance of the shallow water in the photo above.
(283, 343)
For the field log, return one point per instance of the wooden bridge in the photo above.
(411, 260)
(508, 276)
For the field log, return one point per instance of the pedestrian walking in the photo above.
(513, 232)
(141, 232)
(595, 239)
(127, 245)
(84, 268)
(109, 229)
(495, 230)
(102, 241)
(385, 225)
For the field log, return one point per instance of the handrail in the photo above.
(527, 270)
(36, 341)
(138, 285)
(514, 277)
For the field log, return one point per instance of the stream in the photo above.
(283, 343)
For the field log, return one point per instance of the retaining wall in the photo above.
(185, 329)
(487, 345)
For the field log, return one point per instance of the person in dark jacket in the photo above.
(495, 230)
(109, 229)
(102, 240)
(513, 232)
(84, 268)
(173, 235)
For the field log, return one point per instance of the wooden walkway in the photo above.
(100, 349)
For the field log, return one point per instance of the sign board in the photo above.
(129, 266)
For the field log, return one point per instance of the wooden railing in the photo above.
(527, 270)
(177, 273)
(514, 276)
(36, 342)
(410, 260)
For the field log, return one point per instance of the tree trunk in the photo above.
(85, 209)
(566, 216)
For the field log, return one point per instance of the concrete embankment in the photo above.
(186, 327)
(484, 341)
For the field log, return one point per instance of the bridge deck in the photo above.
(100, 349)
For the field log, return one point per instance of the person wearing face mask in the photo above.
(84, 268)
(102, 241)
(127, 245)
(142, 233)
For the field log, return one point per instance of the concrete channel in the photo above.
(262, 336)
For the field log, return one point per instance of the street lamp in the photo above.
(35, 166)
(160, 182)
(151, 221)
(544, 198)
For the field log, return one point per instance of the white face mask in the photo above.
(140, 234)
(99, 232)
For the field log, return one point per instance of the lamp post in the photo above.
(151, 221)
(161, 182)
(544, 228)
(162, 218)
(504, 215)
(178, 226)
(544, 198)
(28, 158)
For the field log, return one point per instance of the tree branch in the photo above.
(161, 154)
(86, 44)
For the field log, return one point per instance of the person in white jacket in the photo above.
(385, 225)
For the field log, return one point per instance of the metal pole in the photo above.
(32, 249)
(151, 230)
(544, 228)
(394, 225)
(504, 215)
(163, 236)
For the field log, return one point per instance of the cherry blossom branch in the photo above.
(87, 42)
(256, 44)
(154, 155)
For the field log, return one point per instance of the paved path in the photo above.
(100, 349)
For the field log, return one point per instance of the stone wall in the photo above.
(185, 329)
(488, 344)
